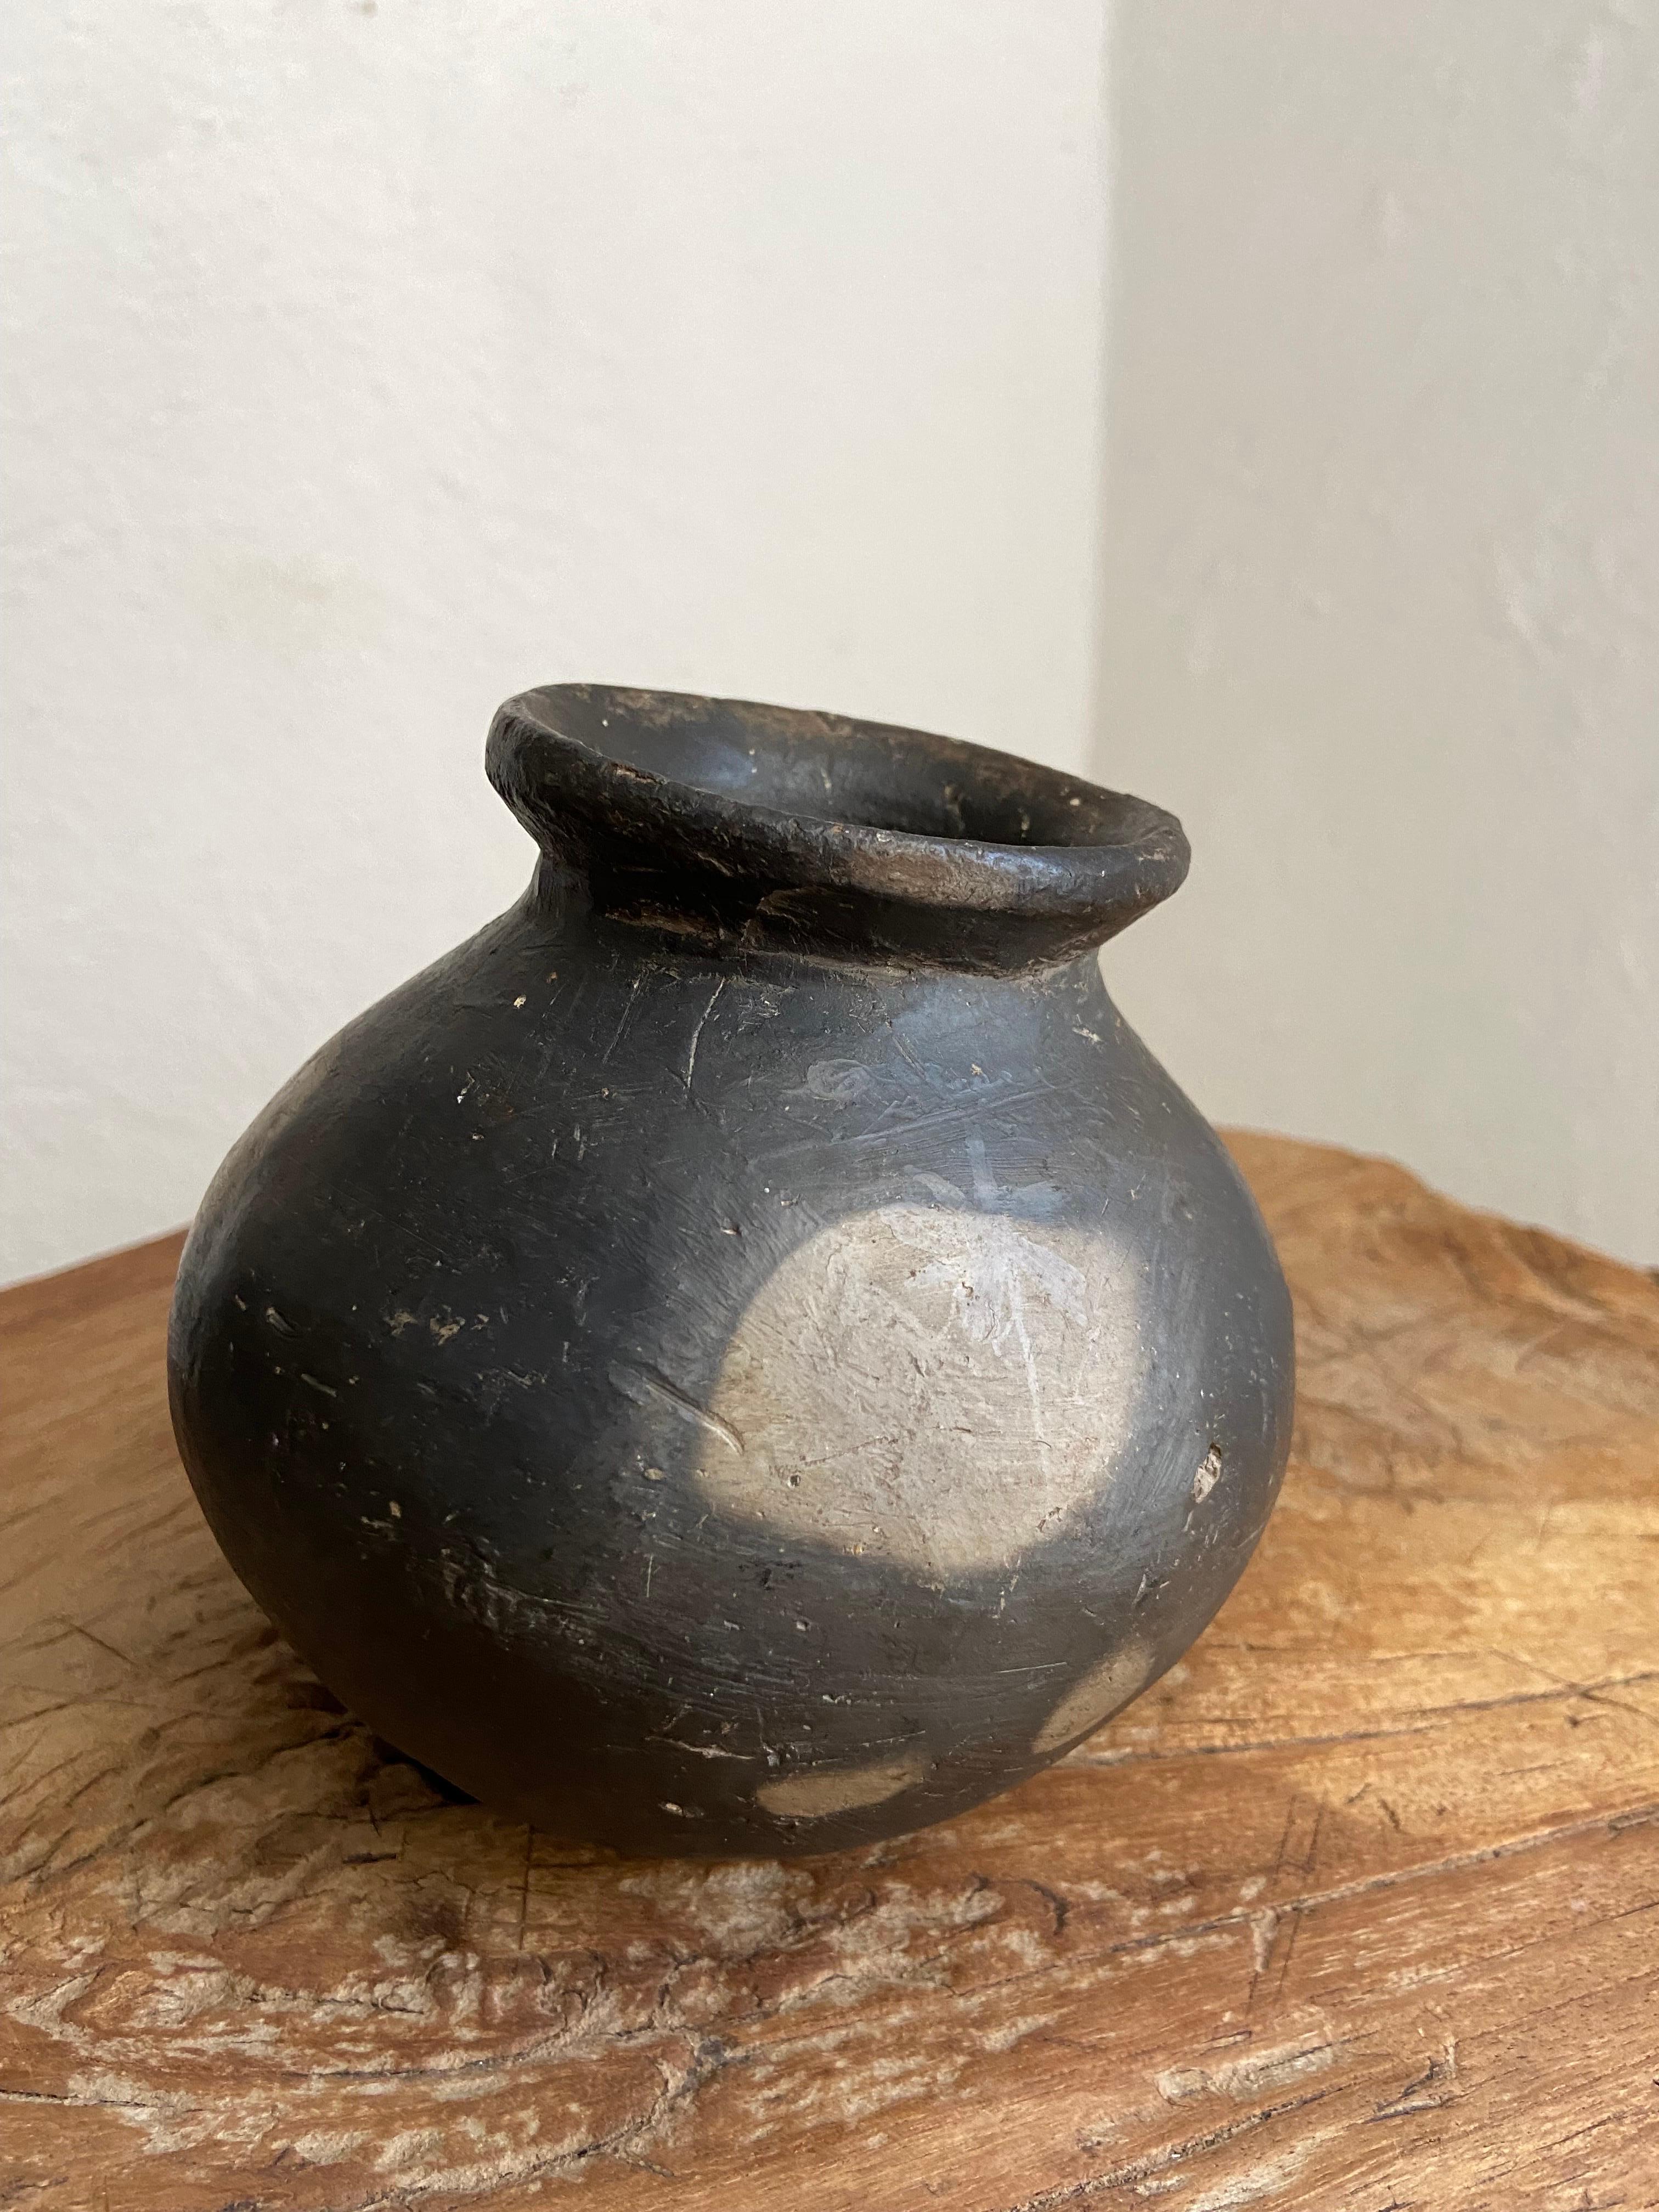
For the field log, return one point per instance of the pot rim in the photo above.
(593, 768)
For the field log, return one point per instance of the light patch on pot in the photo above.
(1102, 1691)
(936, 1385)
(819, 1791)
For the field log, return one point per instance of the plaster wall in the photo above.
(366, 362)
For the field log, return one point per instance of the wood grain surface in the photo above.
(1356, 1909)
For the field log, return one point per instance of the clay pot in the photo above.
(748, 1354)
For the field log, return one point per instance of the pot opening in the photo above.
(826, 768)
(777, 824)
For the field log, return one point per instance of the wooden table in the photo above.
(1356, 1909)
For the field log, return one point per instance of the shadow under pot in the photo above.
(749, 1353)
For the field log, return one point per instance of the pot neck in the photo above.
(754, 827)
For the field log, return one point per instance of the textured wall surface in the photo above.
(365, 362)
(1381, 607)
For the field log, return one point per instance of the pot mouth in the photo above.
(782, 827)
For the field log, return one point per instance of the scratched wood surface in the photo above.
(1357, 1909)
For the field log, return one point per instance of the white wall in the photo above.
(1381, 599)
(365, 362)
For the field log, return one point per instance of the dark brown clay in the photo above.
(749, 1354)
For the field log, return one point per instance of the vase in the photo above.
(748, 1354)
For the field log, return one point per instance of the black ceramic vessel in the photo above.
(749, 1354)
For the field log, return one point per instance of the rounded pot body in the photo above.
(748, 1354)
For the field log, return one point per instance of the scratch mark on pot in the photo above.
(627, 1016)
(991, 1102)
(696, 1036)
(643, 1384)
(905, 1053)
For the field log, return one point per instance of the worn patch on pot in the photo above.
(819, 1791)
(1101, 1693)
(929, 1384)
